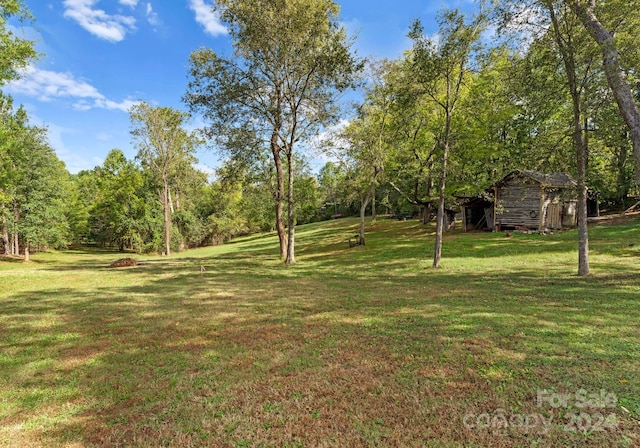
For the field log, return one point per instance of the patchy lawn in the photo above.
(365, 346)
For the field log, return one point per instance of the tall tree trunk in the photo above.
(15, 250)
(430, 184)
(568, 57)
(615, 77)
(167, 215)
(623, 184)
(279, 196)
(581, 156)
(5, 236)
(291, 257)
(373, 204)
(364, 202)
(437, 256)
(171, 208)
(26, 252)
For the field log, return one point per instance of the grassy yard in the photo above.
(365, 346)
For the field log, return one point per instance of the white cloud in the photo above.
(328, 144)
(209, 171)
(99, 23)
(152, 16)
(47, 85)
(207, 18)
(55, 132)
(56, 136)
(104, 137)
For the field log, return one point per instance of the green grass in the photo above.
(364, 346)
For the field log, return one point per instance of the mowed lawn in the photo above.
(364, 346)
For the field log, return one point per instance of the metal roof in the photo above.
(552, 180)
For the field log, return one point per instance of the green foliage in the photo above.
(84, 193)
(292, 59)
(306, 199)
(331, 190)
(15, 53)
(34, 184)
(191, 230)
(225, 215)
(123, 213)
(165, 150)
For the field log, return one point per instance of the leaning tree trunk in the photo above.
(26, 252)
(615, 77)
(291, 257)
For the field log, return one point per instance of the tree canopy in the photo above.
(291, 58)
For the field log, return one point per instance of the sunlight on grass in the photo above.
(364, 346)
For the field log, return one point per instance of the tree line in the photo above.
(541, 85)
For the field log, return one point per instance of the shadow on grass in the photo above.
(201, 358)
(349, 345)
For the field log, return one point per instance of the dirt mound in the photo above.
(124, 263)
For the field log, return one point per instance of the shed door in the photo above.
(570, 218)
(554, 216)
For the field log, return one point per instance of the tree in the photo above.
(329, 179)
(567, 40)
(368, 138)
(562, 32)
(306, 194)
(33, 185)
(15, 53)
(163, 145)
(119, 211)
(414, 128)
(441, 66)
(586, 11)
(291, 59)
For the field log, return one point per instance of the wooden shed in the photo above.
(524, 199)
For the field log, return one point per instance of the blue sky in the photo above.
(101, 56)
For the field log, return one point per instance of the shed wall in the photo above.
(520, 201)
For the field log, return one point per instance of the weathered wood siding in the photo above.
(553, 216)
(570, 214)
(551, 210)
(520, 201)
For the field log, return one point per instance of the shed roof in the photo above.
(552, 180)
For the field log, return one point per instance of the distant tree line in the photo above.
(526, 85)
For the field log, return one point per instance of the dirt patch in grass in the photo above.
(365, 349)
(124, 263)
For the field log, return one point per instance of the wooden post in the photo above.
(542, 209)
(464, 219)
(495, 204)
